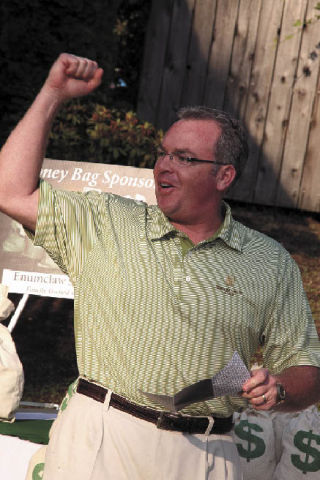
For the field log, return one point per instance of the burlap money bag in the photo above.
(36, 464)
(37, 461)
(300, 458)
(6, 306)
(11, 376)
(253, 434)
(280, 422)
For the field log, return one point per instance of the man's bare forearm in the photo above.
(302, 387)
(22, 155)
(21, 160)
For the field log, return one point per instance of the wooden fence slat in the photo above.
(242, 57)
(309, 198)
(260, 82)
(175, 64)
(197, 61)
(154, 57)
(254, 59)
(299, 123)
(219, 62)
(280, 102)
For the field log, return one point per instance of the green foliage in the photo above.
(68, 138)
(95, 133)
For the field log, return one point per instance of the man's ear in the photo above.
(225, 176)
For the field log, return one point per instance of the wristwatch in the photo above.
(281, 393)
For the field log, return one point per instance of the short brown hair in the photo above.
(232, 145)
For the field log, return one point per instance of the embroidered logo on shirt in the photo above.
(230, 280)
(229, 289)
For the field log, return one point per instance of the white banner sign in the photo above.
(35, 283)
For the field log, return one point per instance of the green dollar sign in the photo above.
(302, 441)
(68, 395)
(256, 445)
(37, 473)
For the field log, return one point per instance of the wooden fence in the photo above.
(258, 59)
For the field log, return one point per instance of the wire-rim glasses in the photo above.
(181, 159)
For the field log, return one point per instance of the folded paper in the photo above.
(227, 381)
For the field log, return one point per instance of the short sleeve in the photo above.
(291, 338)
(68, 226)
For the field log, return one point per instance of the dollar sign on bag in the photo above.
(37, 473)
(303, 441)
(256, 446)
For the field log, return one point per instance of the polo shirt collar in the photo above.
(158, 227)
(232, 232)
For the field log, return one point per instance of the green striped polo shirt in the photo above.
(148, 318)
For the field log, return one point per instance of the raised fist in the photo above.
(71, 76)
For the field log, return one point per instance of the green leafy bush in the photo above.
(95, 133)
(68, 138)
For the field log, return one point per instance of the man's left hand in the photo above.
(261, 389)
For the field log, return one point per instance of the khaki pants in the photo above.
(92, 441)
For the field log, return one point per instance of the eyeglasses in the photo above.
(182, 160)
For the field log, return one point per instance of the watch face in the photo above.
(281, 392)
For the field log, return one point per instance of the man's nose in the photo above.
(167, 161)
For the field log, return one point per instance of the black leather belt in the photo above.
(162, 420)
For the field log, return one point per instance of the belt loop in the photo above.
(210, 426)
(160, 418)
(107, 400)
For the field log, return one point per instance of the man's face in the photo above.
(188, 194)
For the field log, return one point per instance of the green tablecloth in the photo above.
(36, 431)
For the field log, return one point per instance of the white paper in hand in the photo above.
(228, 381)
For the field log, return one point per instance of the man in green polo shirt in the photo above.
(165, 296)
